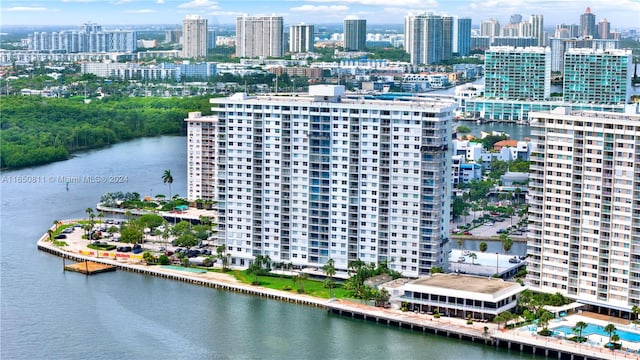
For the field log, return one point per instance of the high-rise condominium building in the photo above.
(463, 37)
(259, 36)
(355, 34)
(597, 76)
(447, 37)
(90, 38)
(424, 38)
(604, 29)
(301, 38)
(194, 37)
(490, 28)
(537, 23)
(588, 24)
(584, 226)
(517, 73)
(566, 31)
(310, 178)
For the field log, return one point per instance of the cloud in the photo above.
(320, 8)
(140, 11)
(378, 2)
(225, 13)
(159, 1)
(26, 9)
(199, 4)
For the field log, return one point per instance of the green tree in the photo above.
(163, 260)
(483, 246)
(151, 221)
(300, 280)
(148, 258)
(224, 259)
(458, 207)
(131, 233)
(463, 129)
(167, 178)
(186, 240)
(329, 271)
(610, 329)
(579, 327)
(473, 257)
(544, 319)
(635, 310)
(507, 242)
(614, 339)
(50, 233)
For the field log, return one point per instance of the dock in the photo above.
(89, 267)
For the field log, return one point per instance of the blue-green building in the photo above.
(517, 73)
(597, 76)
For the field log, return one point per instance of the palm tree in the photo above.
(55, 224)
(89, 212)
(507, 242)
(101, 217)
(635, 310)
(610, 329)
(580, 325)
(50, 233)
(544, 319)
(224, 259)
(300, 279)
(167, 178)
(329, 270)
(614, 340)
(473, 257)
(517, 193)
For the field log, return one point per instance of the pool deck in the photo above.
(595, 340)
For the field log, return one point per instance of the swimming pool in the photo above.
(599, 330)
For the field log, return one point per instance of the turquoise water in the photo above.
(599, 330)
(182, 268)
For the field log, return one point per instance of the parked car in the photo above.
(467, 233)
(61, 236)
(461, 259)
(501, 231)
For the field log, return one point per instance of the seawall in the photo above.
(415, 322)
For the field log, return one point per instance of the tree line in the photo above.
(38, 130)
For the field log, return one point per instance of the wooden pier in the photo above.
(89, 267)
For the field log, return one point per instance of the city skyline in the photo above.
(620, 13)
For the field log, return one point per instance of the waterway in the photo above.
(46, 313)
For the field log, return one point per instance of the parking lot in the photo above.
(73, 236)
(490, 228)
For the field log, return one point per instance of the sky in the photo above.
(620, 13)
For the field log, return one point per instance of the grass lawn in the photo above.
(284, 283)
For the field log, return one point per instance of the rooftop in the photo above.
(468, 283)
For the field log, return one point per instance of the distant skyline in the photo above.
(620, 13)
